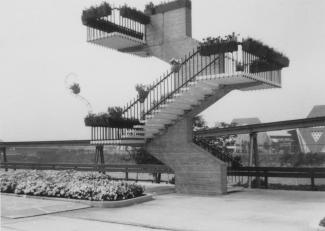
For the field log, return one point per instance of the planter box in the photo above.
(212, 49)
(99, 204)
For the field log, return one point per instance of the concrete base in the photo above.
(196, 170)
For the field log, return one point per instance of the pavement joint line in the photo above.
(134, 224)
(47, 213)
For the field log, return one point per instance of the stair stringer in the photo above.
(196, 170)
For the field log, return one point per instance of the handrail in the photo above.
(160, 81)
(177, 89)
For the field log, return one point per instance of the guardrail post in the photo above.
(126, 174)
(266, 179)
(312, 180)
(4, 153)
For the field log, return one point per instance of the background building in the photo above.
(312, 139)
(263, 139)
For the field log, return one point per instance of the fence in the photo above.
(282, 172)
(155, 171)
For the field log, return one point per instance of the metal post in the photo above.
(256, 159)
(251, 154)
(4, 153)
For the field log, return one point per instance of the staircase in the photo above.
(166, 119)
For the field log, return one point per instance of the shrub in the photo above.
(322, 222)
(69, 184)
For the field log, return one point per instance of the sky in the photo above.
(42, 41)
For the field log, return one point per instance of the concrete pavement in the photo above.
(249, 210)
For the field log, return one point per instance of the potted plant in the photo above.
(143, 92)
(239, 66)
(149, 8)
(94, 13)
(262, 65)
(111, 119)
(176, 65)
(265, 52)
(134, 14)
(211, 46)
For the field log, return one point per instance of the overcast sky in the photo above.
(41, 41)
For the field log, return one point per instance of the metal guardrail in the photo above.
(283, 172)
(155, 170)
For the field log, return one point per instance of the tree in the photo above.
(199, 123)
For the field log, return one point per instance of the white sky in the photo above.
(41, 41)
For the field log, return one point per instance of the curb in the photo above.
(98, 204)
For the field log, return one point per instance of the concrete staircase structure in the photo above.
(175, 98)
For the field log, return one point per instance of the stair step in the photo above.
(133, 137)
(131, 133)
(177, 106)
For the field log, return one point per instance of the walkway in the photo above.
(249, 210)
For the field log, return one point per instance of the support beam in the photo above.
(264, 127)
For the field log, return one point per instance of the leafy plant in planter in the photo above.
(211, 46)
(262, 65)
(239, 67)
(149, 8)
(111, 119)
(143, 92)
(263, 51)
(176, 64)
(93, 13)
(134, 14)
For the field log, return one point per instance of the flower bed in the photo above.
(68, 184)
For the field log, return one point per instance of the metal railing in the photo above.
(172, 82)
(278, 172)
(124, 170)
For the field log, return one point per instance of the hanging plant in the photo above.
(134, 14)
(75, 88)
(143, 92)
(176, 65)
(212, 46)
(93, 13)
(265, 52)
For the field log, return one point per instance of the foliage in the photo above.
(142, 156)
(302, 159)
(68, 184)
(104, 120)
(262, 65)
(143, 92)
(75, 88)
(265, 52)
(115, 112)
(134, 14)
(167, 6)
(176, 64)
(149, 8)
(93, 13)
(322, 222)
(199, 123)
(218, 146)
(111, 119)
(211, 46)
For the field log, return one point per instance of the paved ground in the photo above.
(249, 210)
